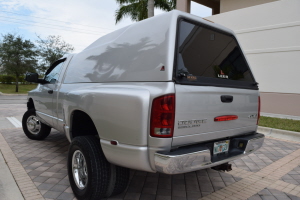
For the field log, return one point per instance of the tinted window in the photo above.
(53, 75)
(207, 56)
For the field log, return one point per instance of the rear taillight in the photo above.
(162, 116)
(225, 118)
(258, 114)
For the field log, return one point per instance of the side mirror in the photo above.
(32, 77)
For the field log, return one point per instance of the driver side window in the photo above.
(53, 75)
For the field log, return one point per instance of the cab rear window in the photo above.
(206, 56)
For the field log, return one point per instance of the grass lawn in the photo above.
(11, 88)
(285, 124)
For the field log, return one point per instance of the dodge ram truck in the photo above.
(170, 94)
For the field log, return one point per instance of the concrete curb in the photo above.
(278, 133)
(9, 188)
(22, 179)
(281, 116)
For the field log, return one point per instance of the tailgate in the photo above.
(197, 107)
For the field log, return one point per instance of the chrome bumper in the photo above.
(170, 163)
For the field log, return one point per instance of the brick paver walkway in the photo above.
(273, 172)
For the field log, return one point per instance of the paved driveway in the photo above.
(273, 172)
(13, 99)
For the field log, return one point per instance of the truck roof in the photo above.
(170, 17)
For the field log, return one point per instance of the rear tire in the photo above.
(33, 128)
(118, 180)
(88, 170)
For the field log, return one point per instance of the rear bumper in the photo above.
(198, 157)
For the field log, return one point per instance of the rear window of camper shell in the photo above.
(207, 56)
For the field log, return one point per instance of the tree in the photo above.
(51, 49)
(137, 10)
(17, 56)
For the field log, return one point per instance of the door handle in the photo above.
(226, 98)
(50, 91)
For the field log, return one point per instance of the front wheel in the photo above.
(34, 128)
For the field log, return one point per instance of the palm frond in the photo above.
(166, 5)
(137, 9)
(126, 1)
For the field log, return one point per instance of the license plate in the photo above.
(221, 147)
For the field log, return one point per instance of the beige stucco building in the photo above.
(221, 6)
(269, 33)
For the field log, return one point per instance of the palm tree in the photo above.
(150, 8)
(137, 9)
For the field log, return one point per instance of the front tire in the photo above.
(33, 128)
(88, 169)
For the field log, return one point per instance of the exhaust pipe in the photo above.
(223, 167)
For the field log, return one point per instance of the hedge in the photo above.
(7, 79)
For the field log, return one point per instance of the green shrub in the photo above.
(7, 79)
(22, 80)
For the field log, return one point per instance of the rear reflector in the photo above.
(226, 118)
(162, 116)
(114, 142)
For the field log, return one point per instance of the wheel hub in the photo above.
(79, 169)
(33, 125)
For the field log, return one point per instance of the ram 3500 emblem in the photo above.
(191, 123)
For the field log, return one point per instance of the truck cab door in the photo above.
(58, 96)
(44, 104)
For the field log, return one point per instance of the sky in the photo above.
(78, 22)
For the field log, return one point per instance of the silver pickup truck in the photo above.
(170, 94)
